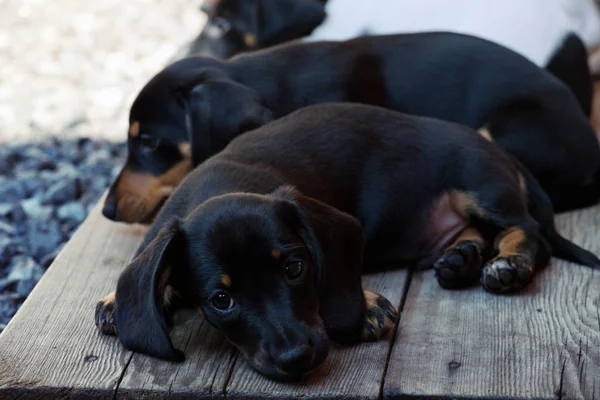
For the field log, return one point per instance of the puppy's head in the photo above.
(235, 26)
(255, 267)
(186, 113)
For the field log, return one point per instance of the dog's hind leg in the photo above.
(460, 264)
(517, 259)
(500, 213)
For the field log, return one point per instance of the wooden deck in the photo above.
(543, 343)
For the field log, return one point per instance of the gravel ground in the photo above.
(69, 71)
(72, 67)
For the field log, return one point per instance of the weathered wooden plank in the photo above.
(51, 348)
(543, 343)
(208, 364)
(348, 373)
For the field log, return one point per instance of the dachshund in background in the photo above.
(196, 106)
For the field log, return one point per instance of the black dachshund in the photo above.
(194, 107)
(266, 238)
(237, 26)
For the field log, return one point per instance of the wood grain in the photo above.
(542, 343)
(208, 364)
(348, 373)
(51, 348)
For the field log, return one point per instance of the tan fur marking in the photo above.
(185, 149)
(139, 194)
(466, 204)
(595, 112)
(169, 294)
(370, 298)
(226, 280)
(201, 312)
(275, 254)
(250, 39)
(164, 277)
(510, 241)
(485, 132)
(110, 298)
(134, 129)
(469, 234)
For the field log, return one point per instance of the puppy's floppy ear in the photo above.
(219, 111)
(278, 21)
(335, 240)
(141, 316)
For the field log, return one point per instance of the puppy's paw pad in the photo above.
(459, 266)
(507, 274)
(380, 317)
(105, 315)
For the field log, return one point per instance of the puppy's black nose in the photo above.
(110, 208)
(296, 361)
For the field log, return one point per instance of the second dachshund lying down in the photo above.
(268, 239)
(194, 107)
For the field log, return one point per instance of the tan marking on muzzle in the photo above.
(139, 194)
(134, 129)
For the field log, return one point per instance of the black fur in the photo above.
(459, 78)
(323, 185)
(222, 37)
(270, 22)
(569, 63)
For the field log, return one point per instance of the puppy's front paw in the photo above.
(459, 266)
(380, 317)
(105, 315)
(507, 273)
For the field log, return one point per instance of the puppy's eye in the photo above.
(294, 269)
(222, 301)
(148, 143)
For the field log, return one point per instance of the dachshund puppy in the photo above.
(533, 28)
(194, 107)
(268, 238)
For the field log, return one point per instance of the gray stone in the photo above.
(73, 211)
(7, 229)
(12, 213)
(43, 237)
(11, 190)
(24, 267)
(33, 208)
(7, 250)
(50, 257)
(64, 190)
(25, 286)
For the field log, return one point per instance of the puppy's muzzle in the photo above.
(300, 355)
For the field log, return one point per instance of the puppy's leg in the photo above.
(515, 263)
(106, 310)
(357, 315)
(380, 316)
(105, 315)
(499, 211)
(460, 264)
